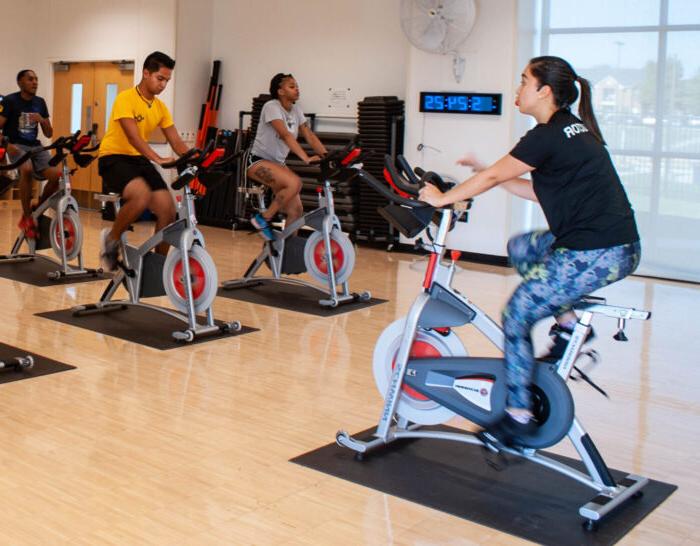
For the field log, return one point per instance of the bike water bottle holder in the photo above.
(293, 258)
(43, 241)
(444, 310)
(315, 219)
(152, 276)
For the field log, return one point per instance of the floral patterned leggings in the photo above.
(553, 280)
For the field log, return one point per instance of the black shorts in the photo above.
(253, 159)
(118, 170)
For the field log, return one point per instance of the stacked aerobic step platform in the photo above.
(380, 127)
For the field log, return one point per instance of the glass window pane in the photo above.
(683, 12)
(76, 107)
(622, 70)
(603, 13)
(110, 94)
(680, 189)
(636, 175)
(682, 93)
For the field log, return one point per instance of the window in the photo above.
(641, 59)
(110, 94)
(76, 107)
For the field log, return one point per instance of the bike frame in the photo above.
(321, 219)
(439, 305)
(181, 234)
(60, 201)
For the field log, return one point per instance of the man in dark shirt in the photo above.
(21, 115)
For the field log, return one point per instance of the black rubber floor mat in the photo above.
(35, 272)
(523, 499)
(138, 325)
(42, 365)
(291, 297)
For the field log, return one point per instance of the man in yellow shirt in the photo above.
(126, 160)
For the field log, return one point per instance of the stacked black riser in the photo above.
(381, 129)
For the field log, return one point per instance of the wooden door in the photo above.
(83, 97)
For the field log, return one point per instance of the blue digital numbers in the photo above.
(482, 103)
(461, 103)
(434, 103)
(457, 103)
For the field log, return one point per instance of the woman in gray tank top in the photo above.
(281, 122)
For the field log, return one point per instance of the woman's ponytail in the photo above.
(585, 109)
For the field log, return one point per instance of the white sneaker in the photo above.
(109, 251)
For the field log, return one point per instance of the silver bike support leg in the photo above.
(275, 261)
(18, 244)
(210, 317)
(62, 241)
(394, 390)
(185, 244)
(327, 226)
(112, 288)
(594, 463)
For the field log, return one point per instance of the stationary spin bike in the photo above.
(63, 231)
(327, 254)
(187, 275)
(422, 369)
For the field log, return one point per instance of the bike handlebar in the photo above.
(384, 191)
(406, 169)
(75, 144)
(204, 165)
(394, 177)
(399, 184)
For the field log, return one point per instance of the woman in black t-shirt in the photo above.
(592, 240)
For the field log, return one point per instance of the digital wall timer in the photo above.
(461, 103)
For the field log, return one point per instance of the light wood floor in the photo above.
(191, 446)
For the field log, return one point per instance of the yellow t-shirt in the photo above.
(129, 104)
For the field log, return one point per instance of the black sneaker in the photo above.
(109, 251)
(560, 337)
(507, 433)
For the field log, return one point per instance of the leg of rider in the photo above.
(294, 209)
(136, 195)
(526, 252)
(562, 278)
(290, 195)
(52, 175)
(285, 185)
(26, 179)
(161, 204)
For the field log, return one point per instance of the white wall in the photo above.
(195, 19)
(490, 53)
(324, 43)
(16, 51)
(84, 30)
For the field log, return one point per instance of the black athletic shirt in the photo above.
(576, 184)
(15, 129)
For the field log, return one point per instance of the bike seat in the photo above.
(252, 188)
(107, 197)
